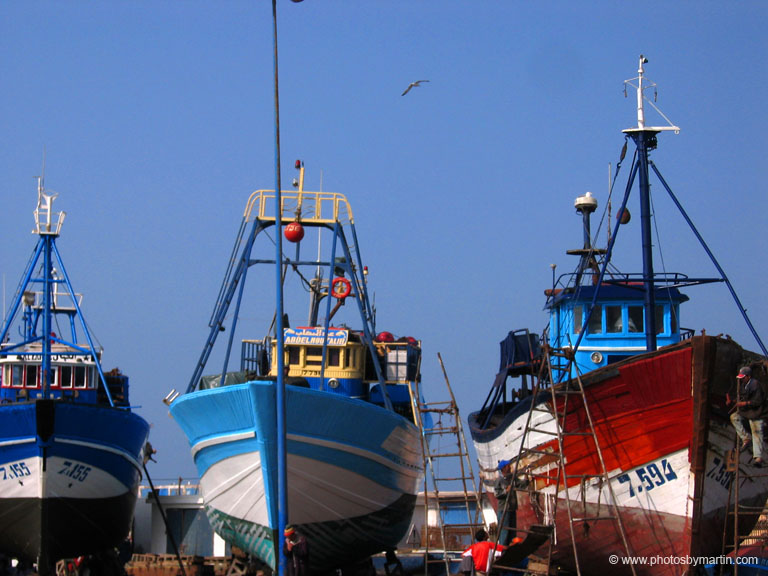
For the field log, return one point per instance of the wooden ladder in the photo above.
(560, 377)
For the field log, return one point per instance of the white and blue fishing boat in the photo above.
(70, 447)
(353, 452)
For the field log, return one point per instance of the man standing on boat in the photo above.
(750, 402)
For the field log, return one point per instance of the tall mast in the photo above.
(645, 141)
(48, 232)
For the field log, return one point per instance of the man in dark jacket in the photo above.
(750, 404)
(296, 552)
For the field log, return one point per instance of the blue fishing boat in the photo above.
(71, 449)
(353, 451)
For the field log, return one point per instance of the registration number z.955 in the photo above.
(14, 471)
(77, 472)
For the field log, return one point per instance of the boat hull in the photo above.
(664, 434)
(353, 469)
(69, 475)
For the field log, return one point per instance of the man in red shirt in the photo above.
(478, 556)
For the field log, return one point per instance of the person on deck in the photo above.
(296, 550)
(478, 556)
(750, 405)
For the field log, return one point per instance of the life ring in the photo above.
(340, 288)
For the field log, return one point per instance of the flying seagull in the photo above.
(411, 85)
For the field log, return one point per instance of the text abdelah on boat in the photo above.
(612, 431)
(70, 447)
(353, 453)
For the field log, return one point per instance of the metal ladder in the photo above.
(556, 378)
(452, 538)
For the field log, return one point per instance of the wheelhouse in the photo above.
(72, 376)
(340, 364)
(615, 328)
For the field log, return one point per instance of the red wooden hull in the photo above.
(663, 430)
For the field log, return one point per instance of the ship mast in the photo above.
(47, 235)
(645, 141)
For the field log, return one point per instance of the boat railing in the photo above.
(68, 350)
(626, 279)
(308, 207)
(47, 222)
(254, 357)
(521, 356)
(687, 333)
(171, 487)
(400, 361)
(61, 302)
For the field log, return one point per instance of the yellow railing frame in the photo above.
(307, 207)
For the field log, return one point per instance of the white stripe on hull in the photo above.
(318, 491)
(647, 487)
(507, 445)
(235, 486)
(662, 490)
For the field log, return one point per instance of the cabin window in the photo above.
(30, 377)
(294, 355)
(314, 355)
(81, 380)
(596, 320)
(350, 358)
(65, 376)
(578, 320)
(659, 319)
(635, 319)
(613, 321)
(17, 375)
(673, 319)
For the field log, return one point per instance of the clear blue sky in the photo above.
(156, 118)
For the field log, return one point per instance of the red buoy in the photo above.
(623, 216)
(294, 232)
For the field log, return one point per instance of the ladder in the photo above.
(436, 421)
(566, 396)
(758, 536)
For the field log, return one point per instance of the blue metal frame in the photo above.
(46, 247)
(645, 140)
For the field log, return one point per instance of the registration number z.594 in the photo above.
(649, 476)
